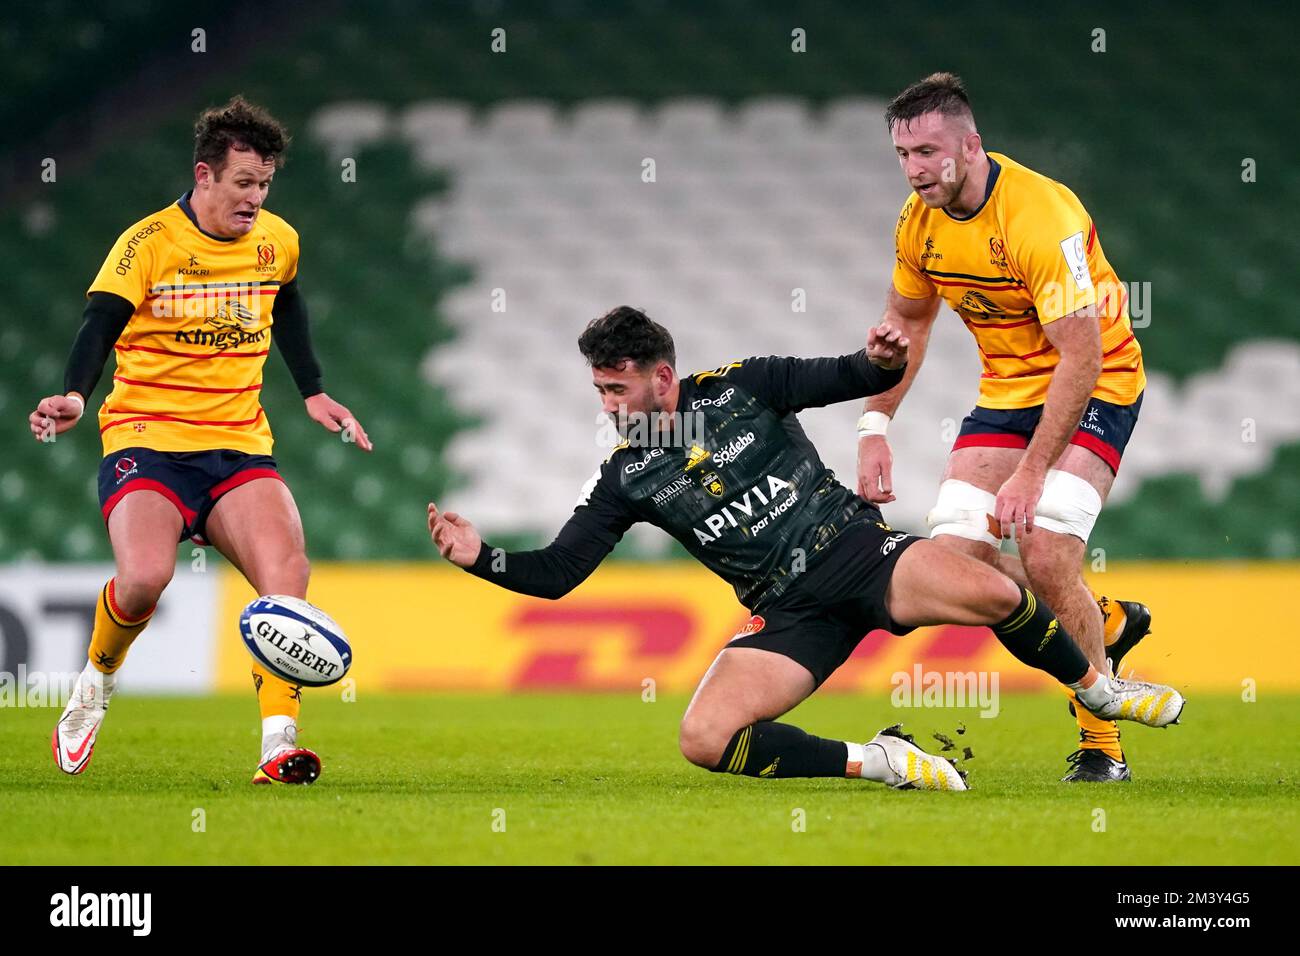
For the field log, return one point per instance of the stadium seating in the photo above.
(524, 174)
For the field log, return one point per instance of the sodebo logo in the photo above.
(720, 400)
(728, 454)
(103, 909)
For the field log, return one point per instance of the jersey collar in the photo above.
(994, 169)
(184, 203)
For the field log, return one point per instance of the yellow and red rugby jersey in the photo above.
(189, 363)
(1028, 256)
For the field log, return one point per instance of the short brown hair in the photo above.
(626, 333)
(939, 92)
(242, 125)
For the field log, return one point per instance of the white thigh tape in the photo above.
(1069, 505)
(963, 510)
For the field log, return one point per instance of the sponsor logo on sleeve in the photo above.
(1076, 260)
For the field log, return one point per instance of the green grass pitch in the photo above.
(597, 779)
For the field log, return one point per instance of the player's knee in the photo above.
(287, 574)
(1003, 598)
(298, 570)
(1049, 569)
(136, 589)
(703, 739)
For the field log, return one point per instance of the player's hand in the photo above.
(887, 346)
(58, 412)
(454, 536)
(1017, 499)
(875, 470)
(336, 418)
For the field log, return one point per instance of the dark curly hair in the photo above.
(624, 334)
(242, 125)
(939, 92)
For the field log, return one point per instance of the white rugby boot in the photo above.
(1155, 705)
(907, 767)
(73, 740)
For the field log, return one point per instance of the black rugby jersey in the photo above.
(736, 481)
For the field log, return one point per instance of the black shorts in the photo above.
(1104, 429)
(193, 481)
(834, 604)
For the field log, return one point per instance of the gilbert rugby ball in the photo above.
(295, 640)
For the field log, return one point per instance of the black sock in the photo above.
(1034, 635)
(768, 749)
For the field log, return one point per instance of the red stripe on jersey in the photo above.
(997, 325)
(1092, 235)
(186, 388)
(226, 353)
(170, 418)
(1030, 374)
(1004, 287)
(1118, 347)
(236, 292)
(243, 477)
(1028, 355)
(991, 440)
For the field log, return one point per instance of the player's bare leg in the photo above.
(143, 529)
(934, 584)
(1125, 623)
(257, 528)
(730, 726)
(984, 470)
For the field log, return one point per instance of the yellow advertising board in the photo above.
(433, 627)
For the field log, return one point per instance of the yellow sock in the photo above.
(1095, 733)
(276, 696)
(113, 632)
(1113, 617)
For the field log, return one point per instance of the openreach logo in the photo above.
(921, 688)
(134, 910)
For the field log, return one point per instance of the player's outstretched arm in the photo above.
(57, 412)
(913, 319)
(336, 417)
(455, 538)
(596, 525)
(102, 323)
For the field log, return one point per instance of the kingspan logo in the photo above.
(760, 496)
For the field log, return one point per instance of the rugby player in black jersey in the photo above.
(719, 461)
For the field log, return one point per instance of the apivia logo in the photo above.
(714, 402)
(731, 451)
(644, 462)
(134, 910)
(747, 506)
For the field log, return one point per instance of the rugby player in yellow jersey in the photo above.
(1016, 255)
(190, 298)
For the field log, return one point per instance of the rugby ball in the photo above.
(295, 640)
